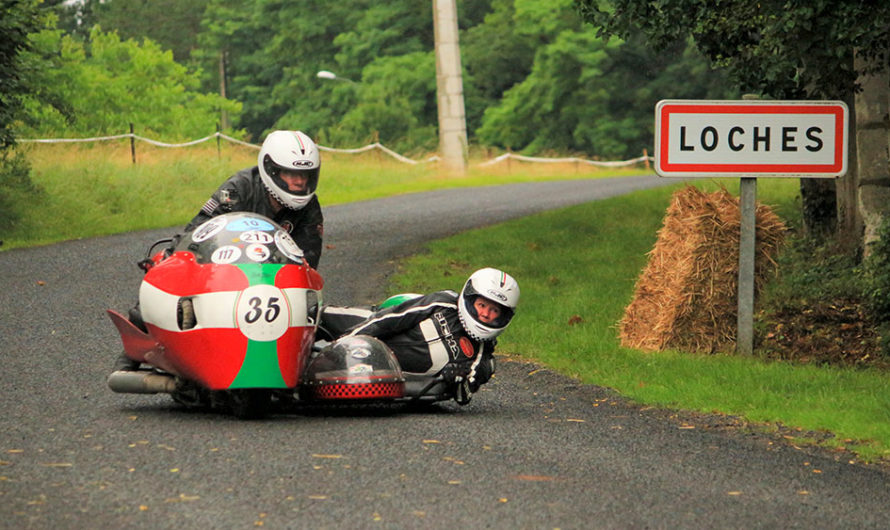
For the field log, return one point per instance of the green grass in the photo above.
(96, 190)
(582, 262)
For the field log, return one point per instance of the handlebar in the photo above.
(147, 262)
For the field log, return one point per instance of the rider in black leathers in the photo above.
(264, 189)
(245, 191)
(281, 187)
(442, 332)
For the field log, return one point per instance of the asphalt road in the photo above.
(533, 449)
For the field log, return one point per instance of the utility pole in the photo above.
(450, 88)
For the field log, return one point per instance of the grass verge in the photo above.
(93, 190)
(577, 267)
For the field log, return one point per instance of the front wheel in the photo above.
(250, 403)
(190, 395)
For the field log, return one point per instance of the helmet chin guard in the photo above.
(295, 152)
(495, 286)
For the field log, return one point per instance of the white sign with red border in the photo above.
(750, 138)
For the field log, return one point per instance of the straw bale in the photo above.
(687, 295)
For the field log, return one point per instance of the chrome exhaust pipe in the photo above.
(141, 382)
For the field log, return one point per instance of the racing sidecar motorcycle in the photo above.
(227, 319)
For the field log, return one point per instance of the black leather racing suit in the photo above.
(425, 334)
(245, 192)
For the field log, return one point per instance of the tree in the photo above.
(587, 95)
(395, 104)
(873, 145)
(272, 51)
(495, 57)
(388, 52)
(173, 24)
(74, 18)
(102, 85)
(535, 78)
(784, 49)
(18, 18)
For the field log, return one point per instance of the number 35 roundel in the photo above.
(262, 312)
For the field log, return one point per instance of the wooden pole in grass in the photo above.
(132, 144)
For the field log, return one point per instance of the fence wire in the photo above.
(377, 145)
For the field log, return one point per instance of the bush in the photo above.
(16, 188)
(877, 267)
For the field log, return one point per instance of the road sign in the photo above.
(750, 138)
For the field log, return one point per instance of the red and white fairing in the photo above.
(233, 306)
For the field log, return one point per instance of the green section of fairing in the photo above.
(260, 368)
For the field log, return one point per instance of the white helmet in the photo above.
(496, 286)
(291, 150)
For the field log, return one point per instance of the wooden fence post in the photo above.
(132, 144)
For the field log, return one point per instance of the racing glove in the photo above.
(481, 371)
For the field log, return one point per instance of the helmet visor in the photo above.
(298, 182)
(488, 312)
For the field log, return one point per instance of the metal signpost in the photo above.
(750, 139)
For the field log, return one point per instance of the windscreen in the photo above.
(241, 237)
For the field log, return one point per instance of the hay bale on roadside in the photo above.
(687, 295)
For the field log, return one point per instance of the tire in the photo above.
(251, 403)
(190, 395)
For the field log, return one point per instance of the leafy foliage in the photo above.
(17, 191)
(74, 18)
(877, 268)
(496, 57)
(273, 50)
(383, 56)
(18, 18)
(101, 86)
(535, 78)
(137, 20)
(784, 48)
(585, 94)
(387, 105)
